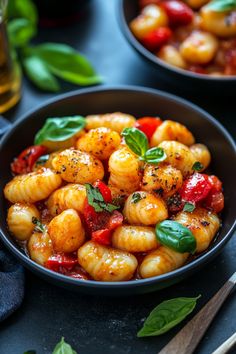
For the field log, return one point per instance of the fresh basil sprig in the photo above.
(59, 129)
(96, 200)
(197, 166)
(39, 227)
(167, 315)
(175, 236)
(189, 207)
(138, 143)
(63, 348)
(221, 5)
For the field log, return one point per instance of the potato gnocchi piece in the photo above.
(134, 238)
(32, 187)
(40, 247)
(144, 208)
(105, 263)
(100, 142)
(196, 4)
(115, 121)
(161, 261)
(64, 144)
(172, 56)
(78, 167)
(203, 224)
(71, 196)
(170, 130)
(202, 154)
(221, 24)
(66, 231)
(19, 220)
(124, 170)
(179, 156)
(163, 179)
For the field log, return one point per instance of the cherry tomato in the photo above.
(179, 13)
(157, 38)
(104, 190)
(25, 161)
(102, 236)
(215, 201)
(195, 188)
(216, 184)
(148, 125)
(116, 219)
(144, 3)
(58, 261)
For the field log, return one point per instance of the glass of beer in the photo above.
(10, 74)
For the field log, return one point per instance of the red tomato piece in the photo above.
(58, 261)
(94, 220)
(148, 125)
(157, 38)
(195, 188)
(115, 220)
(102, 236)
(179, 13)
(144, 3)
(25, 161)
(216, 184)
(104, 190)
(215, 201)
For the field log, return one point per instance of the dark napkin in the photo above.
(11, 284)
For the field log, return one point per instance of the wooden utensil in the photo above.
(186, 341)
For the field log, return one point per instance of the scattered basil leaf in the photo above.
(42, 160)
(22, 9)
(167, 315)
(20, 31)
(39, 74)
(189, 207)
(96, 200)
(39, 227)
(66, 63)
(63, 348)
(136, 197)
(175, 236)
(136, 140)
(59, 129)
(221, 5)
(197, 166)
(155, 155)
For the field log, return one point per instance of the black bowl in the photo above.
(127, 11)
(139, 102)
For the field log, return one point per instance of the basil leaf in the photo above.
(42, 160)
(22, 8)
(96, 200)
(197, 166)
(63, 348)
(59, 129)
(136, 197)
(66, 63)
(20, 31)
(39, 227)
(189, 207)
(136, 140)
(167, 315)
(38, 73)
(221, 5)
(155, 155)
(175, 236)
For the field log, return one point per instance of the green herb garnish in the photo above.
(167, 315)
(59, 129)
(136, 197)
(175, 236)
(63, 348)
(197, 166)
(221, 5)
(138, 143)
(189, 207)
(96, 200)
(42, 160)
(39, 227)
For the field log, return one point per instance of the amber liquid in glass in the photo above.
(10, 77)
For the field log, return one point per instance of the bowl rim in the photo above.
(154, 59)
(193, 265)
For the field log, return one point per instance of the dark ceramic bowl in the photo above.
(128, 10)
(139, 102)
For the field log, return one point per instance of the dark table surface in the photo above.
(109, 325)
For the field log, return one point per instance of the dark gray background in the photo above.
(109, 325)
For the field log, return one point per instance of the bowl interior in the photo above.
(139, 102)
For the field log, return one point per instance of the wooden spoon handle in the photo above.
(186, 341)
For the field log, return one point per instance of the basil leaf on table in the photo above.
(155, 155)
(39, 74)
(20, 31)
(96, 200)
(197, 166)
(221, 5)
(63, 348)
(59, 129)
(175, 236)
(136, 140)
(189, 207)
(167, 315)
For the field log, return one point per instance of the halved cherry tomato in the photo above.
(157, 38)
(215, 182)
(102, 236)
(179, 13)
(148, 125)
(215, 201)
(25, 161)
(195, 188)
(57, 261)
(116, 219)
